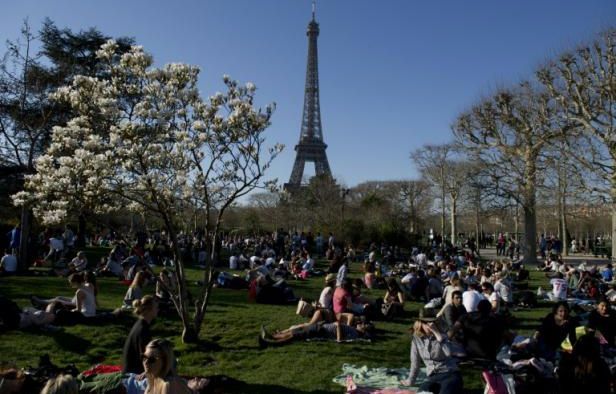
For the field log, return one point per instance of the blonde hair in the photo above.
(140, 306)
(61, 384)
(138, 280)
(167, 359)
(418, 329)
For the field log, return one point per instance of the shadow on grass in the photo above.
(223, 384)
(70, 342)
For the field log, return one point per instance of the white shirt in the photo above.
(470, 300)
(56, 244)
(325, 299)
(503, 291)
(559, 288)
(421, 260)
(9, 262)
(233, 262)
(308, 265)
(494, 297)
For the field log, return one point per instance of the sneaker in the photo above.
(262, 343)
(51, 328)
(264, 333)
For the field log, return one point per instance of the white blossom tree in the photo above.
(144, 140)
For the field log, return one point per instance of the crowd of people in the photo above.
(468, 312)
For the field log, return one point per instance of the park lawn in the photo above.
(228, 339)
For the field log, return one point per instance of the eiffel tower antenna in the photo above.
(314, 9)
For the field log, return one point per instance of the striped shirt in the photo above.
(329, 331)
(434, 354)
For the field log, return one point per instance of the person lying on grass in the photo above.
(12, 317)
(338, 331)
(83, 303)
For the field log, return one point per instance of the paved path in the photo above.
(574, 259)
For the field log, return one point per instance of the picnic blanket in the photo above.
(377, 380)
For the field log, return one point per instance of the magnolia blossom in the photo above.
(143, 140)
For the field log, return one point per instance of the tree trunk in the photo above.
(189, 335)
(477, 217)
(454, 212)
(81, 231)
(564, 230)
(530, 235)
(613, 241)
(516, 223)
(24, 241)
(529, 206)
(443, 214)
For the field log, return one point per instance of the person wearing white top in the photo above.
(233, 262)
(492, 296)
(471, 298)
(503, 288)
(559, 288)
(326, 297)
(8, 263)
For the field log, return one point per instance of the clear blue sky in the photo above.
(393, 73)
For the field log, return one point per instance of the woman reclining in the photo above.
(338, 331)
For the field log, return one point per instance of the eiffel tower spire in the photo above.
(311, 147)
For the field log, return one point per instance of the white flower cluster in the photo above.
(144, 140)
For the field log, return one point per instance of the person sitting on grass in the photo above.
(342, 302)
(326, 297)
(430, 347)
(79, 263)
(603, 322)
(8, 263)
(135, 290)
(158, 362)
(61, 384)
(146, 309)
(338, 331)
(555, 327)
(451, 312)
(111, 266)
(584, 371)
(71, 311)
(483, 332)
(392, 304)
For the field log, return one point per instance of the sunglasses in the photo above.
(148, 359)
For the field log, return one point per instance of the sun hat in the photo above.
(427, 315)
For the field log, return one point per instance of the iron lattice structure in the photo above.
(311, 147)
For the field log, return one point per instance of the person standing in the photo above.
(14, 239)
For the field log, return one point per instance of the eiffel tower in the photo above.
(311, 147)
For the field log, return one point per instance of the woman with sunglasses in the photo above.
(146, 309)
(158, 362)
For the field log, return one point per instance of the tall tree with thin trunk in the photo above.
(507, 133)
(583, 84)
(431, 161)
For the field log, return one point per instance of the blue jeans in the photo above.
(443, 383)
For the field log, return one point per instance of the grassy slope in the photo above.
(229, 338)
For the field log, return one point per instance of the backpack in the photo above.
(498, 383)
(9, 313)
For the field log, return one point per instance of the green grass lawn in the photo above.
(228, 338)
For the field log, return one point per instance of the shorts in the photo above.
(308, 331)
